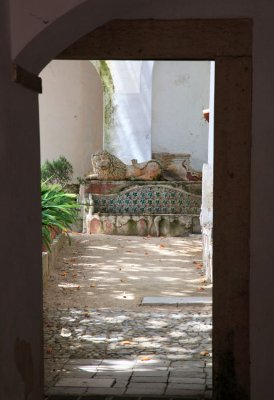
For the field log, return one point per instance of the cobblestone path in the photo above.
(141, 351)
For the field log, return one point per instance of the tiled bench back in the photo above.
(148, 200)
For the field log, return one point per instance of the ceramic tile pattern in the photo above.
(148, 199)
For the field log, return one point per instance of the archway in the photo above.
(204, 40)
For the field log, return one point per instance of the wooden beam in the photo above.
(196, 39)
(26, 78)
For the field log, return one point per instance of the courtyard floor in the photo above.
(100, 340)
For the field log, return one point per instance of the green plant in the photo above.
(59, 211)
(57, 171)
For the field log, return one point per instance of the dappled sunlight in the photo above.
(126, 269)
(175, 334)
(93, 312)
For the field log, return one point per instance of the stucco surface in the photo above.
(180, 93)
(71, 113)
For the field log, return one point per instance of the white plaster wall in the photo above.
(180, 92)
(131, 136)
(71, 113)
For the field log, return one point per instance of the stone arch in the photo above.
(232, 165)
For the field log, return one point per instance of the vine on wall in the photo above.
(109, 107)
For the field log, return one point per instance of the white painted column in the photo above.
(206, 217)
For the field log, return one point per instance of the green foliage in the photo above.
(57, 171)
(59, 211)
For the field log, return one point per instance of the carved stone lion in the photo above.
(106, 166)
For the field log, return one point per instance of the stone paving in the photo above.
(126, 353)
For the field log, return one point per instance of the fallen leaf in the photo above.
(73, 259)
(200, 289)
(93, 285)
(74, 275)
(87, 314)
(123, 280)
(204, 353)
(78, 287)
(128, 251)
(64, 273)
(145, 359)
(146, 253)
(49, 350)
(162, 245)
(126, 342)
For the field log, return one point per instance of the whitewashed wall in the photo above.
(131, 136)
(71, 113)
(179, 95)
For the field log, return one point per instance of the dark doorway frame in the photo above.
(229, 43)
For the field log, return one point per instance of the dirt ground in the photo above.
(104, 271)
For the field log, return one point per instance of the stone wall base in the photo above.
(153, 225)
(49, 258)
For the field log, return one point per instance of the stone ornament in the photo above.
(106, 166)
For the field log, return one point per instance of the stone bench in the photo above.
(148, 209)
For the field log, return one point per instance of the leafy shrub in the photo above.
(59, 211)
(57, 171)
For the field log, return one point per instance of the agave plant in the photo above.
(59, 211)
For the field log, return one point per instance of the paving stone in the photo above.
(187, 364)
(186, 386)
(106, 391)
(120, 383)
(150, 369)
(118, 364)
(65, 391)
(122, 375)
(150, 373)
(188, 373)
(76, 374)
(186, 380)
(85, 361)
(80, 382)
(146, 388)
(187, 394)
(184, 374)
(173, 300)
(151, 379)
